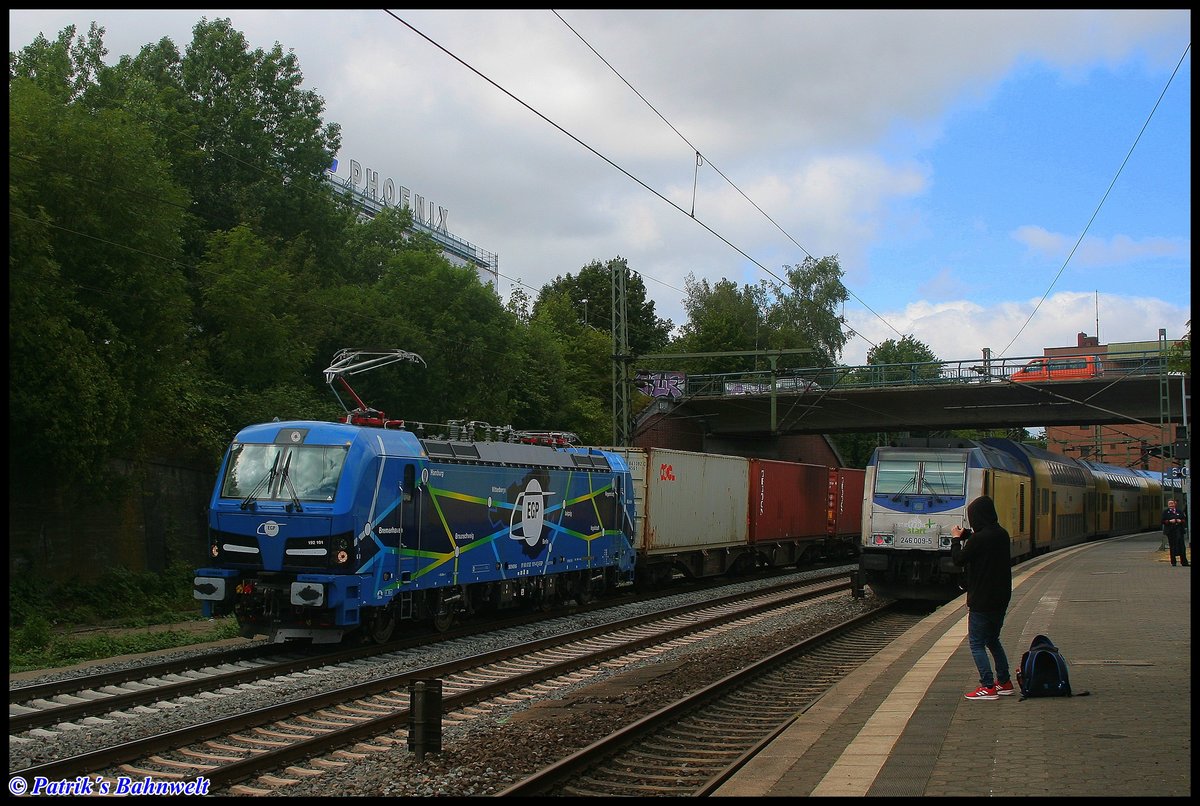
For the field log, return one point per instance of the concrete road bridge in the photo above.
(922, 397)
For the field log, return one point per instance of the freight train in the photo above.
(915, 493)
(319, 531)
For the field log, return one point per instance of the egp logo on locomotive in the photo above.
(531, 503)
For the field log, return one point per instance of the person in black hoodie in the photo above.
(1174, 526)
(984, 550)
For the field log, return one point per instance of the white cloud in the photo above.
(960, 330)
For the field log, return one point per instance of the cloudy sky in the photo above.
(1000, 179)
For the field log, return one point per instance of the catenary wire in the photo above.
(703, 159)
(589, 148)
(1103, 198)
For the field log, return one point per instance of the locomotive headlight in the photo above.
(343, 557)
(881, 539)
(215, 550)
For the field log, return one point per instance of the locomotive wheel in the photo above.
(442, 622)
(443, 614)
(383, 625)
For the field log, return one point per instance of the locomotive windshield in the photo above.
(916, 472)
(283, 472)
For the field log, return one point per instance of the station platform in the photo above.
(1120, 614)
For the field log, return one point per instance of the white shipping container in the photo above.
(687, 500)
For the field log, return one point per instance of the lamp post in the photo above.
(585, 302)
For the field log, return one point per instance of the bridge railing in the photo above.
(814, 380)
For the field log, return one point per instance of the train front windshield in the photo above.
(283, 472)
(921, 473)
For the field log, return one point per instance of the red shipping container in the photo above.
(846, 486)
(787, 500)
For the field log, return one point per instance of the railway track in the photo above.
(228, 750)
(103, 692)
(691, 746)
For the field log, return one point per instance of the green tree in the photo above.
(590, 293)
(799, 314)
(253, 332)
(722, 317)
(254, 130)
(442, 312)
(584, 402)
(1179, 356)
(64, 69)
(803, 313)
(902, 362)
(519, 304)
(242, 135)
(575, 313)
(542, 379)
(98, 293)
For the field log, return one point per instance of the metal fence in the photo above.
(814, 380)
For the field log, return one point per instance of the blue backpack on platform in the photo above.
(1043, 671)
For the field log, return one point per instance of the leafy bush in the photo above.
(41, 616)
(33, 636)
(119, 597)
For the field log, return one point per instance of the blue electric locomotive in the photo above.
(317, 530)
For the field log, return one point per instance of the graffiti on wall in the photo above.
(660, 384)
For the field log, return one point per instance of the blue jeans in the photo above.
(983, 634)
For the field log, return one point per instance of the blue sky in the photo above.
(1000, 179)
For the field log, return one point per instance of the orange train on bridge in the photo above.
(1059, 368)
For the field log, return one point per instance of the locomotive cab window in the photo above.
(284, 472)
(921, 473)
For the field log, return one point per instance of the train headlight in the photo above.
(944, 541)
(343, 557)
(215, 550)
(881, 539)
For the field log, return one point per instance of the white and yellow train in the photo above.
(913, 495)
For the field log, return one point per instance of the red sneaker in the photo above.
(1004, 688)
(983, 693)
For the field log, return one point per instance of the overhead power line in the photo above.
(595, 152)
(1096, 212)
